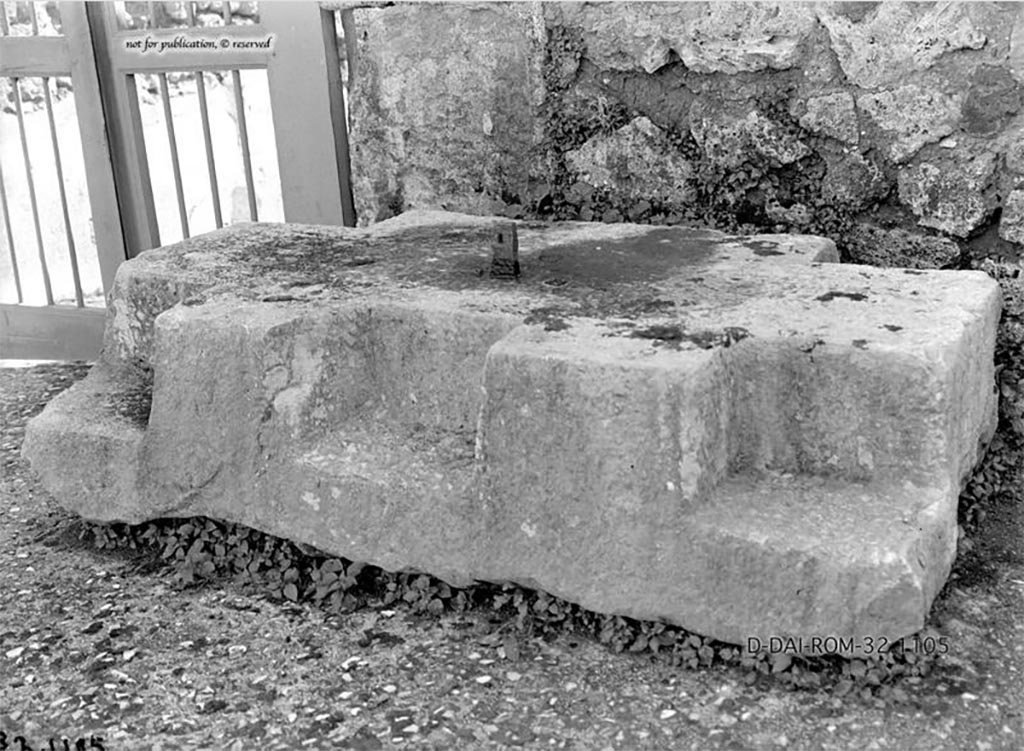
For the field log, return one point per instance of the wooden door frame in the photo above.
(59, 331)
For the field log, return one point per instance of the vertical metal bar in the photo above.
(211, 165)
(175, 163)
(243, 134)
(72, 253)
(95, 144)
(7, 226)
(123, 124)
(152, 14)
(32, 191)
(4, 28)
(226, 12)
(35, 23)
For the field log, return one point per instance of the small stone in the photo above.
(911, 117)
(484, 679)
(832, 115)
(993, 97)
(869, 244)
(513, 675)
(727, 39)
(1011, 223)
(728, 132)
(955, 196)
(667, 714)
(390, 688)
(636, 161)
(13, 654)
(897, 39)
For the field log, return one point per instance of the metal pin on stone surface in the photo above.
(505, 253)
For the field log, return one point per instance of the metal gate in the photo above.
(51, 298)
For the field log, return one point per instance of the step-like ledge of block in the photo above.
(86, 444)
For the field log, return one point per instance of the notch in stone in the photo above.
(505, 253)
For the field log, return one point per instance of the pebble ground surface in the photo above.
(105, 645)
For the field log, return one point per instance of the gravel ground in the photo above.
(104, 644)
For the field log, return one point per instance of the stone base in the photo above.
(727, 433)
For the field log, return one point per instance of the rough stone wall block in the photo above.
(723, 432)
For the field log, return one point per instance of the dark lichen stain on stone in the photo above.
(860, 343)
(891, 327)
(661, 333)
(653, 306)
(674, 335)
(829, 296)
(912, 271)
(763, 248)
(552, 318)
(650, 257)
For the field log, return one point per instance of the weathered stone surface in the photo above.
(877, 246)
(1016, 53)
(636, 160)
(993, 97)
(832, 115)
(1015, 154)
(955, 197)
(912, 117)
(1011, 222)
(720, 431)
(728, 133)
(444, 106)
(797, 215)
(852, 179)
(879, 48)
(709, 37)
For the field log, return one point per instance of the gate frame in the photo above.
(312, 147)
(61, 331)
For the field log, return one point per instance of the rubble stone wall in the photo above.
(894, 128)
